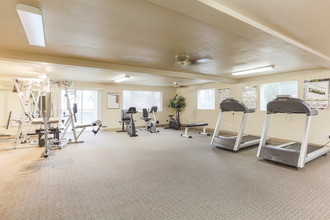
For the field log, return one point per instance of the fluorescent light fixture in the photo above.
(122, 78)
(42, 76)
(31, 19)
(255, 70)
(29, 79)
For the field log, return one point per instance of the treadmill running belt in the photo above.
(248, 138)
(297, 146)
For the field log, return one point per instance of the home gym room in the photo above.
(176, 109)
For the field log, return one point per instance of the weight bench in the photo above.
(187, 126)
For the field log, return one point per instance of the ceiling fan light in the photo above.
(176, 84)
(182, 60)
(182, 63)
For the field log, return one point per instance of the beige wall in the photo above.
(111, 117)
(282, 126)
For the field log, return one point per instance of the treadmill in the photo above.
(236, 142)
(292, 153)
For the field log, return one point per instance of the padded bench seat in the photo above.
(38, 121)
(187, 126)
(195, 125)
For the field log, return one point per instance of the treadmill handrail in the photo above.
(233, 105)
(289, 105)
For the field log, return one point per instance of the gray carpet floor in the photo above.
(158, 176)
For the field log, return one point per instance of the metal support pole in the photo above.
(240, 133)
(217, 127)
(304, 143)
(264, 134)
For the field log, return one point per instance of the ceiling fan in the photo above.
(185, 60)
(177, 84)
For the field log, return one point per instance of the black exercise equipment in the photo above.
(187, 126)
(175, 123)
(125, 118)
(97, 125)
(41, 132)
(130, 126)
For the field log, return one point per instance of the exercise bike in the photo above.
(125, 119)
(130, 126)
(150, 125)
(175, 123)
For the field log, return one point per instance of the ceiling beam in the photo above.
(40, 58)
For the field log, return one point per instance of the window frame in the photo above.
(212, 107)
(262, 105)
(80, 120)
(160, 107)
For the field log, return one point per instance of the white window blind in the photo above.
(206, 99)
(142, 99)
(269, 91)
(87, 103)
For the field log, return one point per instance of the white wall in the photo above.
(282, 126)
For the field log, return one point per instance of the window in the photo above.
(87, 105)
(269, 91)
(142, 99)
(206, 99)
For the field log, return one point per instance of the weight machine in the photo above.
(35, 103)
(43, 134)
(71, 119)
(27, 99)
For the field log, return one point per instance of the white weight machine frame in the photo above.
(71, 120)
(32, 117)
(25, 99)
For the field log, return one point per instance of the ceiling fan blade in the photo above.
(201, 60)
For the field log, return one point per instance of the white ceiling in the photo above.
(98, 41)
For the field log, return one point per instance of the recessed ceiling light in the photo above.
(122, 78)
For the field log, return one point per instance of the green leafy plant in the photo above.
(178, 102)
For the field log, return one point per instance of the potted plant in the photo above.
(179, 103)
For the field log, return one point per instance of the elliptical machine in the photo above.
(150, 125)
(175, 123)
(130, 126)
